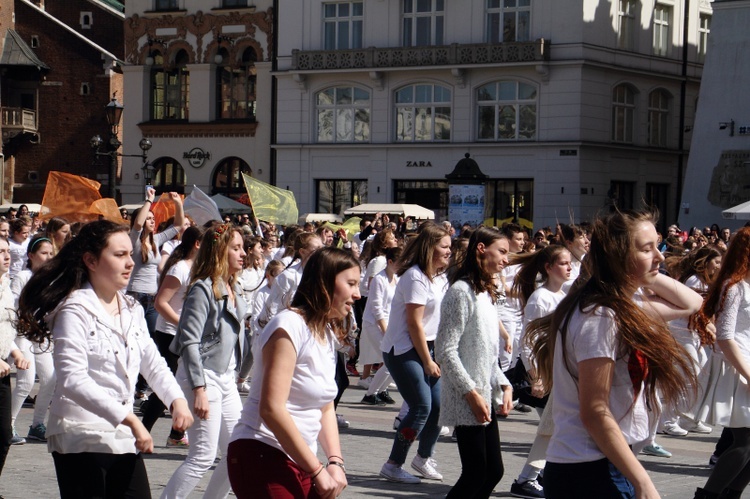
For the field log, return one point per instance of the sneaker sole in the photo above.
(37, 439)
(654, 454)
(396, 480)
(425, 476)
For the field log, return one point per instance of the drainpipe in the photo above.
(683, 91)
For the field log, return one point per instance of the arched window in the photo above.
(236, 83)
(623, 113)
(658, 115)
(506, 111)
(169, 176)
(423, 113)
(227, 179)
(170, 88)
(343, 114)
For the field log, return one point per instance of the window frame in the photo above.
(245, 71)
(416, 106)
(235, 187)
(496, 15)
(517, 103)
(626, 24)
(354, 37)
(704, 30)
(412, 29)
(658, 118)
(662, 34)
(233, 4)
(161, 169)
(180, 72)
(626, 110)
(166, 5)
(339, 110)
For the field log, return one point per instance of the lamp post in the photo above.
(114, 113)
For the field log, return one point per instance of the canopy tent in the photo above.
(229, 206)
(320, 217)
(408, 210)
(739, 212)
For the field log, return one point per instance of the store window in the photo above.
(236, 83)
(507, 111)
(423, 113)
(336, 196)
(509, 200)
(623, 113)
(662, 35)
(169, 176)
(626, 24)
(430, 194)
(423, 22)
(343, 114)
(229, 4)
(508, 21)
(170, 87)
(342, 25)
(166, 5)
(227, 178)
(658, 116)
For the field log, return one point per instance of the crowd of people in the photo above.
(611, 332)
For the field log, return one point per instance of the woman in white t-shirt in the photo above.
(290, 405)
(173, 287)
(727, 397)
(408, 350)
(608, 349)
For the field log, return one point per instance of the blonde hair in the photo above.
(211, 260)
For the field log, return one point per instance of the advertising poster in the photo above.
(466, 205)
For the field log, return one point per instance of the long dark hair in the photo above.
(191, 236)
(471, 269)
(532, 264)
(65, 273)
(606, 282)
(314, 294)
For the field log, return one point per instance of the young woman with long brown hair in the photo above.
(290, 407)
(727, 397)
(612, 350)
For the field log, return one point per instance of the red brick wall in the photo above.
(67, 120)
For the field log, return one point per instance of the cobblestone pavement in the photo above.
(29, 472)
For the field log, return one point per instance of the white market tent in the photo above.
(321, 217)
(408, 210)
(739, 212)
(229, 206)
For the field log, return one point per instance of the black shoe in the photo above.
(29, 402)
(385, 397)
(530, 489)
(371, 400)
(522, 407)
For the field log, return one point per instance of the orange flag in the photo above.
(163, 209)
(76, 199)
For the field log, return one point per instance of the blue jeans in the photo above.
(598, 479)
(147, 302)
(422, 393)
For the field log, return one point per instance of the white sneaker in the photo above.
(243, 387)
(394, 473)
(392, 386)
(699, 427)
(343, 423)
(364, 383)
(444, 431)
(674, 429)
(426, 468)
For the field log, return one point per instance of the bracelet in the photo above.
(337, 457)
(336, 463)
(148, 201)
(316, 473)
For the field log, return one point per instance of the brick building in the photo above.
(51, 115)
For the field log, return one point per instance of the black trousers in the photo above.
(481, 461)
(342, 379)
(154, 406)
(6, 431)
(90, 475)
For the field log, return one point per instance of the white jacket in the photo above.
(97, 366)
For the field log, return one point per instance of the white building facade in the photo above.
(568, 107)
(198, 84)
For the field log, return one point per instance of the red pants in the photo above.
(257, 471)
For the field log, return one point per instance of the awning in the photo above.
(739, 212)
(408, 210)
(17, 53)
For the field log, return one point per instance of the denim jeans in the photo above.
(422, 393)
(147, 302)
(598, 479)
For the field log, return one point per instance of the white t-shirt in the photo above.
(379, 302)
(18, 256)
(181, 271)
(414, 288)
(591, 335)
(313, 383)
(374, 267)
(542, 302)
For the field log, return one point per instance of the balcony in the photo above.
(400, 57)
(17, 122)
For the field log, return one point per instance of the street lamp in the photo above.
(114, 114)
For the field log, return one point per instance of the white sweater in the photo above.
(467, 348)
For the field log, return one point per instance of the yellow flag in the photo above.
(270, 203)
